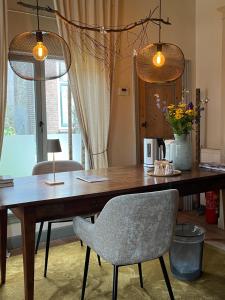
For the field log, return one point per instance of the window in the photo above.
(36, 111)
(19, 146)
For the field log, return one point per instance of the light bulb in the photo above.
(40, 52)
(158, 59)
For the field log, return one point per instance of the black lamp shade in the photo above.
(53, 145)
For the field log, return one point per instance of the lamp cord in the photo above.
(160, 13)
(38, 15)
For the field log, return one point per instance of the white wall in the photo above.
(181, 33)
(209, 31)
(222, 10)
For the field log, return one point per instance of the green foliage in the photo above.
(9, 131)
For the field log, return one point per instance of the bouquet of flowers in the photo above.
(181, 117)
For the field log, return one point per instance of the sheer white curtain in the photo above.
(3, 66)
(90, 77)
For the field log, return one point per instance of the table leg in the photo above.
(3, 242)
(28, 234)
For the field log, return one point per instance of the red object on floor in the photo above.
(211, 209)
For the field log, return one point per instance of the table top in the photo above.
(33, 190)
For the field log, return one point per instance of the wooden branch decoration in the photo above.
(102, 29)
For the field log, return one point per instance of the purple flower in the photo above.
(164, 109)
(190, 105)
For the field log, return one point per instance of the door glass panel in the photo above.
(58, 115)
(19, 144)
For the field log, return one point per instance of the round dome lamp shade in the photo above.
(39, 55)
(160, 63)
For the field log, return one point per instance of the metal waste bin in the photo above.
(186, 251)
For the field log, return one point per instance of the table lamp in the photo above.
(53, 146)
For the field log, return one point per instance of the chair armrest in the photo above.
(84, 230)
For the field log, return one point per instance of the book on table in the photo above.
(92, 178)
(213, 166)
(6, 181)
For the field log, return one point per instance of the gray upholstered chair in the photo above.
(131, 229)
(46, 167)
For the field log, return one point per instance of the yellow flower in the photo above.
(190, 112)
(181, 117)
(171, 106)
(179, 111)
(178, 116)
(182, 105)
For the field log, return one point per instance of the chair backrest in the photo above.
(45, 167)
(137, 227)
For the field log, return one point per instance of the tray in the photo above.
(175, 173)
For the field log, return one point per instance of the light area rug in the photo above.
(65, 272)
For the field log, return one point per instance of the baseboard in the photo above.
(56, 233)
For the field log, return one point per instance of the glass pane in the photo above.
(58, 119)
(19, 144)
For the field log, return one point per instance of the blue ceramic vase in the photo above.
(182, 152)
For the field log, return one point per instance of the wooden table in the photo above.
(31, 200)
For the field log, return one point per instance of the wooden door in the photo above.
(151, 119)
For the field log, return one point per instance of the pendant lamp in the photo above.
(39, 55)
(160, 62)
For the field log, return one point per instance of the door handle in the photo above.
(144, 124)
(41, 125)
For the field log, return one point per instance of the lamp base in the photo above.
(54, 182)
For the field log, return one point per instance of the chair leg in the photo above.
(47, 247)
(167, 280)
(140, 275)
(85, 272)
(99, 259)
(115, 282)
(81, 243)
(39, 237)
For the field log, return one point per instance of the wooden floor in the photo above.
(214, 235)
